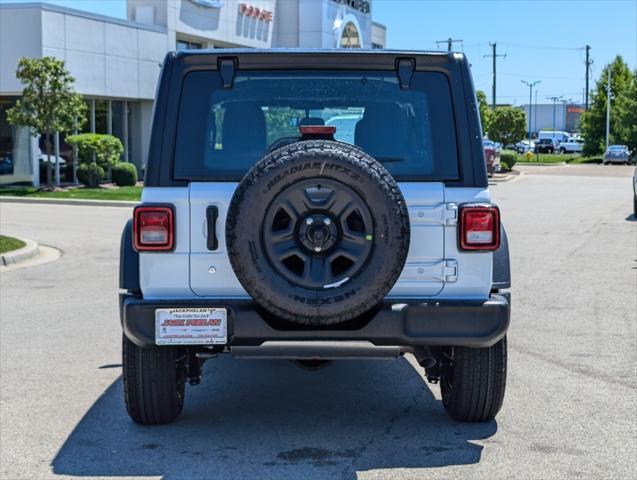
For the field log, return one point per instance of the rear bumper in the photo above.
(394, 324)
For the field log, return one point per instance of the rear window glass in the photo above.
(221, 132)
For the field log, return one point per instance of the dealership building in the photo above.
(116, 62)
(561, 116)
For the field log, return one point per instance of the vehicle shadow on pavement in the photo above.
(271, 419)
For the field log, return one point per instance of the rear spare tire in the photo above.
(317, 232)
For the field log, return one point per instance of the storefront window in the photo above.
(186, 45)
(15, 149)
(101, 116)
(350, 37)
(86, 126)
(121, 126)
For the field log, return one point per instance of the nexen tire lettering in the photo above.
(324, 301)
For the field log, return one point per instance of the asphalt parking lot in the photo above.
(570, 409)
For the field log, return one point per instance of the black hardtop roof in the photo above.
(310, 51)
(319, 55)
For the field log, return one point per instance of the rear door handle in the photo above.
(212, 213)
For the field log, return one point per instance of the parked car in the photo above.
(544, 145)
(300, 247)
(571, 145)
(43, 162)
(43, 158)
(524, 146)
(6, 165)
(491, 156)
(557, 136)
(616, 154)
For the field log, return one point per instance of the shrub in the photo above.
(90, 174)
(106, 150)
(508, 159)
(504, 166)
(124, 174)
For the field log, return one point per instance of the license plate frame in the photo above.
(191, 326)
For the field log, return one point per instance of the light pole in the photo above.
(555, 100)
(564, 103)
(608, 92)
(535, 112)
(530, 85)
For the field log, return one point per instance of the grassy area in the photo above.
(557, 158)
(9, 243)
(121, 193)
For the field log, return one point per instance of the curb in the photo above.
(557, 164)
(30, 250)
(68, 201)
(503, 177)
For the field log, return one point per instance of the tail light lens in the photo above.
(317, 129)
(479, 227)
(153, 228)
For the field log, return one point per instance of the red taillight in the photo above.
(153, 229)
(479, 227)
(317, 129)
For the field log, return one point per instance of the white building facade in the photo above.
(561, 116)
(116, 62)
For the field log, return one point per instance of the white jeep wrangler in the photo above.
(315, 206)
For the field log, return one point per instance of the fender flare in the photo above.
(501, 264)
(128, 261)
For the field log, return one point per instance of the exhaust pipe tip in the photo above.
(424, 357)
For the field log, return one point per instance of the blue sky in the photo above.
(542, 39)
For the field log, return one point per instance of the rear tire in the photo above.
(473, 386)
(635, 206)
(154, 383)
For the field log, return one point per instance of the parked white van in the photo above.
(557, 136)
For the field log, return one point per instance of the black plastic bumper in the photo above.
(400, 323)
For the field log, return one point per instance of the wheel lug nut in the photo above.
(317, 249)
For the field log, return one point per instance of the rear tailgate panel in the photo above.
(421, 275)
(211, 274)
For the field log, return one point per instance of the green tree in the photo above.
(280, 123)
(49, 103)
(627, 116)
(594, 120)
(485, 111)
(507, 125)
